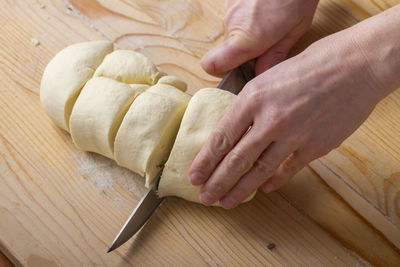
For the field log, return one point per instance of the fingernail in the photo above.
(227, 203)
(196, 178)
(206, 198)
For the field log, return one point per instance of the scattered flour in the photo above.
(35, 42)
(106, 174)
(211, 262)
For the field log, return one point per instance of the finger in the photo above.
(278, 52)
(235, 164)
(293, 164)
(231, 53)
(263, 169)
(224, 137)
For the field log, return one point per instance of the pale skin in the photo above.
(295, 110)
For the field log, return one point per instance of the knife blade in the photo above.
(233, 81)
(143, 211)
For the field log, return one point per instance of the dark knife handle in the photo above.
(236, 79)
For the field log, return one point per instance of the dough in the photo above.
(204, 111)
(66, 74)
(128, 66)
(118, 104)
(168, 91)
(148, 130)
(174, 81)
(98, 113)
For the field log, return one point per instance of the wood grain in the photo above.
(310, 194)
(361, 9)
(60, 206)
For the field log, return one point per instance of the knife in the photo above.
(233, 81)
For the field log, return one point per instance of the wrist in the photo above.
(378, 39)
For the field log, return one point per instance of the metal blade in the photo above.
(143, 211)
(236, 79)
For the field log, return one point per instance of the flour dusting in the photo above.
(105, 174)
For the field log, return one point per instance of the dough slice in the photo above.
(128, 66)
(98, 113)
(204, 111)
(169, 91)
(148, 130)
(173, 81)
(66, 74)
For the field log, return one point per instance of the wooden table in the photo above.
(61, 206)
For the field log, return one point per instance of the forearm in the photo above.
(378, 38)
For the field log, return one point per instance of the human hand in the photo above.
(259, 28)
(291, 114)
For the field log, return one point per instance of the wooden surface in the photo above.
(60, 206)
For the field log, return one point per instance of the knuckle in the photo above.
(239, 194)
(254, 95)
(291, 164)
(220, 143)
(264, 167)
(294, 141)
(237, 163)
(278, 54)
(204, 164)
(278, 121)
(217, 188)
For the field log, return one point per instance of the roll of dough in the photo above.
(128, 66)
(168, 91)
(66, 74)
(98, 113)
(173, 81)
(148, 131)
(204, 111)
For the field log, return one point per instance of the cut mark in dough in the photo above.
(66, 74)
(204, 111)
(98, 113)
(130, 67)
(154, 119)
(173, 81)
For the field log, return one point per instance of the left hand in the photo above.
(262, 29)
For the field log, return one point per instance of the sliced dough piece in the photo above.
(203, 113)
(128, 66)
(173, 81)
(66, 74)
(148, 130)
(169, 91)
(98, 113)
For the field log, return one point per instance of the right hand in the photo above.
(263, 29)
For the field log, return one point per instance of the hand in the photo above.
(291, 114)
(259, 28)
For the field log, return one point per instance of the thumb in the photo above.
(234, 51)
(277, 53)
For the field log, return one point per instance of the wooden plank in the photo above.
(309, 193)
(61, 206)
(362, 9)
